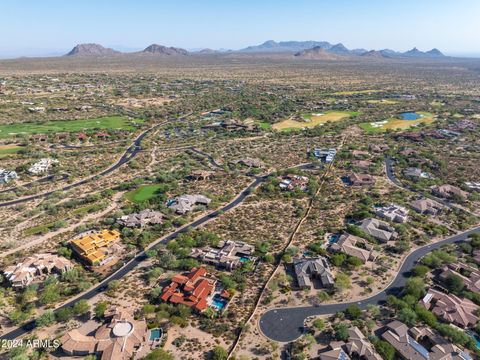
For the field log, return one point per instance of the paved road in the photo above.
(140, 257)
(286, 324)
(128, 155)
(389, 164)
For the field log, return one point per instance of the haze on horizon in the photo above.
(52, 27)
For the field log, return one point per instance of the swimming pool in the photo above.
(244, 258)
(218, 302)
(333, 238)
(155, 334)
(475, 337)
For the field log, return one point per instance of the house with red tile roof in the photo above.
(102, 135)
(82, 136)
(191, 289)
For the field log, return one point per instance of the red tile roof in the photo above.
(191, 290)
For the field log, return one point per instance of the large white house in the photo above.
(7, 175)
(41, 166)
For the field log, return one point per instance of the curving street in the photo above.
(141, 256)
(128, 155)
(287, 324)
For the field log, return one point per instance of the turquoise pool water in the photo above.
(475, 337)
(410, 116)
(155, 334)
(333, 238)
(244, 258)
(218, 302)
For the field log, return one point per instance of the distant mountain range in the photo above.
(96, 50)
(308, 49)
(300, 49)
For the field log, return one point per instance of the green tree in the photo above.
(353, 312)
(454, 283)
(64, 314)
(420, 271)
(319, 324)
(373, 310)
(407, 316)
(100, 309)
(338, 259)
(159, 354)
(219, 353)
(113, 285)
(415, 287)
(341, 331)
(81, 307)
(342, 282)
(46, 319)
(49, 295)
(426, 316)
(354, 262)
(386, 351)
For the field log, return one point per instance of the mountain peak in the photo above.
(269, 43)
(417, 53)
(435, 52)
(163, 50)
(91, 49)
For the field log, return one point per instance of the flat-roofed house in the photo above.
(326, 155)
(229, 254)
(42, 166)
(392, 212)
(316, 268)
(93, 247)
(416, 173)
(292, 182)
(7, 175)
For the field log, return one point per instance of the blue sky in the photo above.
(43, 27)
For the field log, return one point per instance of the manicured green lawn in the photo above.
(264, 125)
(143, 193)
(9, 150)
(104, 123)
